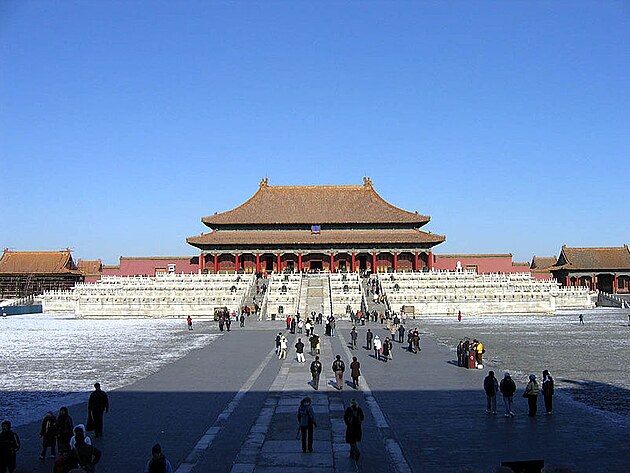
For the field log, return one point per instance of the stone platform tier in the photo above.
(160, 296)
(447, 292)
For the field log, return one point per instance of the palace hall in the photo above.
(310, 228)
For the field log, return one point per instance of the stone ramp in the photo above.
(273, 443)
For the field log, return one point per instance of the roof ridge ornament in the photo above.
(264, 182)
(367, 182)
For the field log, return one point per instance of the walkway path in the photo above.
(231, 407)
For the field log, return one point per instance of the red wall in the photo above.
(147, 266)
(484, 263)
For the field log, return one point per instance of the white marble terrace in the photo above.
(430, 293)
(447, 292)
(159, 296)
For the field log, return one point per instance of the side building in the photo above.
(606, 269)
(328, 228)
(25, 273)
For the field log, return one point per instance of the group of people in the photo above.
(470, 354)
(69, 444)
(507, 388)
(353, 418)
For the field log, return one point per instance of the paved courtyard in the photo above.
(231, 407)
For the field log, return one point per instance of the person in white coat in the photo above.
(377, 347)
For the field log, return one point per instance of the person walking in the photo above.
(401, 333)
(531, 393)
(316, 371)
(158, 462)
(460, 351)
(386, 349)
(83, 456)
(353, 418)
(63, 429)
(581, 319)
(377, 347)
(369, 336)
(306, 421)
(278, 338)
(228, 322)
(353, 337)
(283, 348)
(189, 322)
(299, 351)
(338, 368)
(47, 433)
(9, 445)
(491, 386)
(242, 320)
(547, 391)
(508, 388)
(355, 372)
(97, 404)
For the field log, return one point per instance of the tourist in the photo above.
(283, 348)
(508, 388)
(353, 418)
(47, 433)
(338, 368)
(316, 371)
(63, 429)
(459, 315)
(292, 325)
(306, 421)
(531, 393)
(97, 404)
(228, 322)
(333, 326)
(386, 349)
(369, 336)
(83, 456)
(416, 341)
(353, 337)
(9, 445)
(314, 340)
(288, 320)
(491, 386)
(480, 351)
(221, 322)
(299, 351)
(243, 318)
(377, 347)
(581, 318)
(189, 322)
(300, 326)
(401, 333)
(460, 351)
(73, 440)
(355, 372)
(547, 391)
(158, 462)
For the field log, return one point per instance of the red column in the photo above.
(614, 283)
(279, 263)
(395, 261)
(352, 263)
(430, 260)
(216, 263)
(202, 262)
(235, 262)
(300, 262)
(374, 261)
(593, 282)
(567, 281)
(415, 260)
(332, 262)
(258, 263)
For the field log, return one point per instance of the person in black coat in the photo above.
(63, 429)
(368, 339)
(353, 418)
(9, 445)
(97, 404)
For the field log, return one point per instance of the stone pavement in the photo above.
(231, 407)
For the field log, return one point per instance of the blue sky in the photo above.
(123, 123)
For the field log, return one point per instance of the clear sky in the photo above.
(122, 123)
